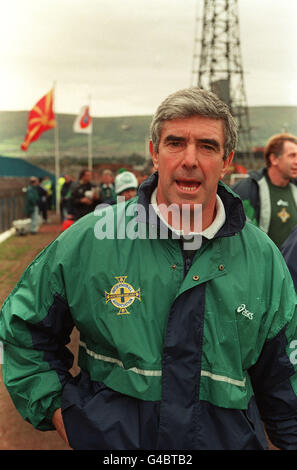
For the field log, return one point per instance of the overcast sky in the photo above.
(130, 54)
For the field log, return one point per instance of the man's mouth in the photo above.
(188, 185)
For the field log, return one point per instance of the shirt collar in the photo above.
(209, 232)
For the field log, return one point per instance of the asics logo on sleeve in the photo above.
(243, 310)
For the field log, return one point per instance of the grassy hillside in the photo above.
(116, 137)
(112, 137)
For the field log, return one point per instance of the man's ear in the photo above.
(227, 163)
(273, 159)
(154, 155)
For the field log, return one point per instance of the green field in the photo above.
(12, 251)
(116, 137)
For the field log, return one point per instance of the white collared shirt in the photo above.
(209, 232)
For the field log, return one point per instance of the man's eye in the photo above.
(208, 147)
(175, 145)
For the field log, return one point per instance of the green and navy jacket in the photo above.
(175, 353)
(254, 192)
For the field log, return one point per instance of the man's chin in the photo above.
(184, 205)
(190, 202)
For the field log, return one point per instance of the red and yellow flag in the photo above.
(41, 118)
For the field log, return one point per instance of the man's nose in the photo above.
(190, 156)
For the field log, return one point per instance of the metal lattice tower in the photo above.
(217, 63)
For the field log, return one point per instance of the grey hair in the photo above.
(194, 102)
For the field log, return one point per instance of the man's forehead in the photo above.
(196, 126)
(289, 146)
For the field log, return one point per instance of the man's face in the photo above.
(87, 177)
(286, 164)
(129, 193)
(190, 163)
(107, 178)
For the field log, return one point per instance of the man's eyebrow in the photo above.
(175, 138)
(212, 142)
(171, 137)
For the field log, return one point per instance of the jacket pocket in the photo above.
(98, 418)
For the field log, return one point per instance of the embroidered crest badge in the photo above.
(122, 295)
(283, 215)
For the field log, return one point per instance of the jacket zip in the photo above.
(187, 259)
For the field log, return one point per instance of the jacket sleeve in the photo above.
(35, 326)
(274, 376)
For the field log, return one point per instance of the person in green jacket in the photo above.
(186, 311)
(31, 207)
(107, 189)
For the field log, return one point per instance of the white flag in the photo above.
(83, 122)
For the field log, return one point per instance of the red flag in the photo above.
(41, 118)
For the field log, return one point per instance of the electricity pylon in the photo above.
(217, 62)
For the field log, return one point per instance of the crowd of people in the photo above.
(77, 197)
(269, 195)
(183, 345)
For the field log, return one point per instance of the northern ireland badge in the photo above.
(122, 295)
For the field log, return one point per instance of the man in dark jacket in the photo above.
(84, 196)
(270, 195)
(43, 205)
(186, 311)
(65, 203)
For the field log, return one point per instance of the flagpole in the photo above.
(90, 157)
(57, 154)
(90, 160)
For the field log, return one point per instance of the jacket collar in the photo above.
(258, 174)
(235, 215)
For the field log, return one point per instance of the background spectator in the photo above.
(32, 204)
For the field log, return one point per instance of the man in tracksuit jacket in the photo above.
(187, 341)
(269, 195)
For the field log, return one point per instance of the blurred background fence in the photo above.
(12, 200)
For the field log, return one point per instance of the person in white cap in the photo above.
(126, 185)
